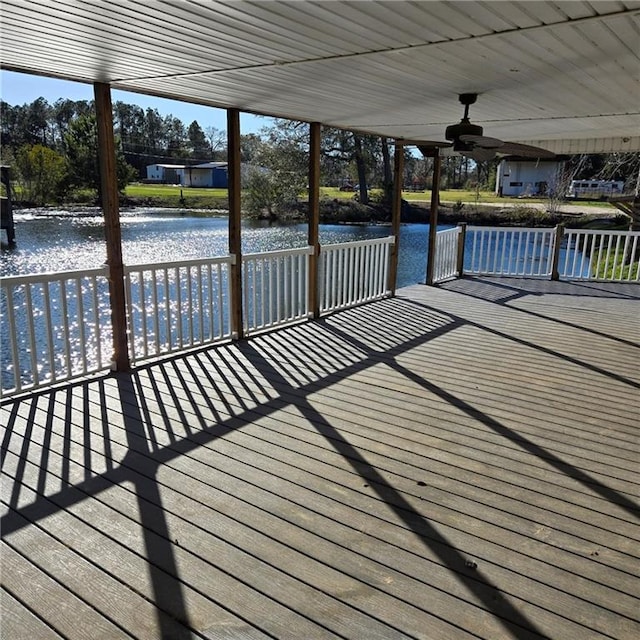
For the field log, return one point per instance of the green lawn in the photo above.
(171, 192)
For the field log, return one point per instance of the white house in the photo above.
(527, 177)
(207, 174)
(165, 173)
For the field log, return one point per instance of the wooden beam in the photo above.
(314, 217)
(396, 211)
(555, 259)
(462, 240)
(235, 221)
(433, 216)
(113, 236)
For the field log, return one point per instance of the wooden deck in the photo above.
(456, 462)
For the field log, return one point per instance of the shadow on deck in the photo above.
(455, 462)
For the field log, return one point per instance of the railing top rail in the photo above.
(358, 243)
(53, 276)
(194, 262)
(522, 229)
(604, 232)
(453, 230)
(279, 253)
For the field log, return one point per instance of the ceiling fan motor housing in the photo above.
(463, 128)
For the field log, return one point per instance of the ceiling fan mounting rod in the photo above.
(467, 99)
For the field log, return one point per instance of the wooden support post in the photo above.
(113, 236)
(462, 239)
(555, 271)
(433, 216)
(235, 221)
(396, 211)
(314, 217)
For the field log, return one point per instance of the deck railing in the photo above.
(509, 251)
(612, 256)
(177, 306)
(55, 327)
(276, 288)
(353, 272)
(445, 265)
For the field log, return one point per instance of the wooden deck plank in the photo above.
(194, 553)
(48, 594)
(349, 588)
(457, 460)
(372, 405)
(20, 623)
(587, 518)
(510, 580)
(507, 498)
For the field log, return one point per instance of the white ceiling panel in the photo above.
(550, 72)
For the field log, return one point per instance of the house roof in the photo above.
(561, 74)
(211, 165)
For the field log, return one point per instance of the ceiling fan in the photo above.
(468, 140)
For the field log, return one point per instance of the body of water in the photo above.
(60, 241)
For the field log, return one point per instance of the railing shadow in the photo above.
(386, 329)
(499, 292)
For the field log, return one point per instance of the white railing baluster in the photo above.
(31, 335)
(615, 256)
(634, 258)
(97, 324)
(156, 309)
(14, 367)
(48, 320)
(81, 328)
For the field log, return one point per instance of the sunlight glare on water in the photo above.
(62, 240)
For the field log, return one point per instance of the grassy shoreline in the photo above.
(341, 206)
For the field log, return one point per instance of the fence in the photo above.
(56, 326)
(509, 251)
(353, 272)
(276, 288)
(601, 255)
(445, 265)
(177, 306)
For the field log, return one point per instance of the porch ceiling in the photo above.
(563, 75)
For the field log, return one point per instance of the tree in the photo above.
(37, 122)
(41, 173)
(280, 172)
(81, 149)
(217, 140)
(198, 144)
(154, 132)
(175, 137)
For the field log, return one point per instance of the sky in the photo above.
(21, 88)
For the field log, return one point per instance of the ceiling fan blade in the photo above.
(427, 143)
(481, 141)
(524, 150)
(479, 154)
